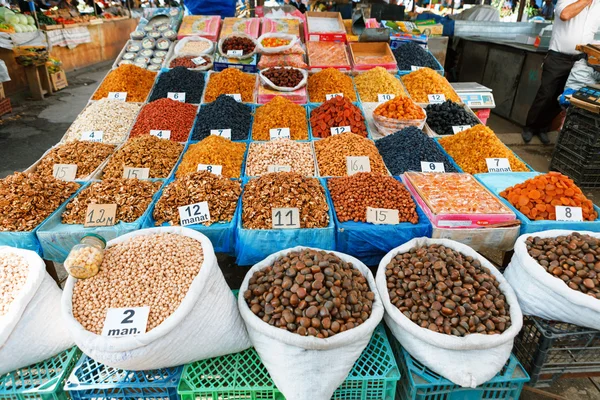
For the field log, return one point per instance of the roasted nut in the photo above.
(13, 277)
(332, 152)
(298, 156)
(28, 199)
(86, 155)
(220, 193)
(132, 197)
(155, 271)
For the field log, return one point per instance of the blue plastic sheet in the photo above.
(497, 182)
(221, 235)
(369, 242)
(253, 245)
(57, 239)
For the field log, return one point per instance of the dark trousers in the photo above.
(545, 107)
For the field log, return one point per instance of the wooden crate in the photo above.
(59, 80)
(5, 106)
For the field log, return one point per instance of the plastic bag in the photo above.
(546, 296)
(282, 60)
(279, 49)
(467, 361)
(387, 126)
(33, 329)
(206, 324)
(242, 57)
(304, 367)
(300, 85)
(179, 46)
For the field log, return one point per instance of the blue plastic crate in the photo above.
(92, 380)
(420, 383)
(43, 381)
(244, 376)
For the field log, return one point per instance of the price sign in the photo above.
(93, 136)
(385, 97)
(65, 172)
(460, 128)
(279, 168)
(285, 218)
(100, 215)
(122, 96)
(381, 216)
(197, 213)
(177, 96)
(213, 169)
(125, 321)
(498, 165)
(199, 60)
(415, 68)
(161, 133)
(427, 166)
(568, 213)
(235, 52)
(139, 173)
(357, 164)
(332, 95)
(280, 133)
(336, 130)
(236, 96)
(436, 98)
(225, 133)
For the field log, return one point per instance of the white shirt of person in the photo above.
(566, 35)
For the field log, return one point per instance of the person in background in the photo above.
(576, 23)
(533, 4)
(547, 10)
(224, 8)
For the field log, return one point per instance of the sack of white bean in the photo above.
(450, 308)
(173, 271)
(309, 313)
(31, 325)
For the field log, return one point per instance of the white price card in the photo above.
(285, 218)
(357, 164)
(332, 95)
(129, 321)
(236, 96)
(381, 216)
(65, 172)
(279, 168)
(199, 60)
(225, 133)
(385, 97)
(161, 133)
(336, 130)
(428, 166)
(460, 128)
(498, 165)
(138, 173)
(177, 96)
(117, 96)
(192, 214)
(100, 215)
(568, 213)
(280, 133)
(235, 52)
(213, 169)
(436, 98)
(93, 136)
(415, 68)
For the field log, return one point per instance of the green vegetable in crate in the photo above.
(43, 19)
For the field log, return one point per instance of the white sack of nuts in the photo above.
(544, 295)
(206, 323)
(307, 367)
(468, 361)
(31, 326)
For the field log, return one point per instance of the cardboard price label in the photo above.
(279, 168)
(136, 173)
(213, 169)
(498, 165)
(235, 52)
(225, 133)
(415, 68)
(285, 218)
(93, 136)
(160, 133)
(357, 164)
(177, 96)
(568, 213)
(122, 96)
(436, 98)
(236, 96)
(336, 130)
(100, 215)
(199, 60)
(332, 95)
(427, 166)
(192, 214)
(280, 133)
(129, 321)
(385, 97)
(65, 172)
(460, 128)
(382, 216)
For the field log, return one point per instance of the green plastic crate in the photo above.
(44, 380)
(244, 376)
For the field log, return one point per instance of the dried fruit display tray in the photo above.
(243, 376)
(43, 381)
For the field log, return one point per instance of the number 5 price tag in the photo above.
(65, 172)
(380, 216)
(100, 215)
(125, 321)
(357, 164)
(427, 166)
(568, 213)
(197, 213)
(285, 218)
(139, 173)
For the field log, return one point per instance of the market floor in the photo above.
(35, 126)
